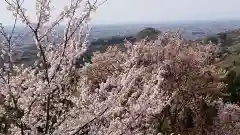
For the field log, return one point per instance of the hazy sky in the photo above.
(140, 11)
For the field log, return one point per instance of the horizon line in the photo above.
(144, 23)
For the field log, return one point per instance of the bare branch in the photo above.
(86, 124)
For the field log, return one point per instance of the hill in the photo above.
(229, 42)
(149, 33)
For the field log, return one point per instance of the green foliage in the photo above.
(233, 87)
(230, 41)
(230, 50)
(225, 38)
(222, 36)
(213, 39)
(151, 33)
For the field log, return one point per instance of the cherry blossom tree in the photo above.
(166, 86)
(37, 99)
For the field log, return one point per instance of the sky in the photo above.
(149, 11)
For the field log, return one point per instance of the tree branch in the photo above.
(83, 126)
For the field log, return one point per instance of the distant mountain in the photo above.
(149, 33)
(101, 36)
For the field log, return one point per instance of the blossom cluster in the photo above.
(148, 85)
